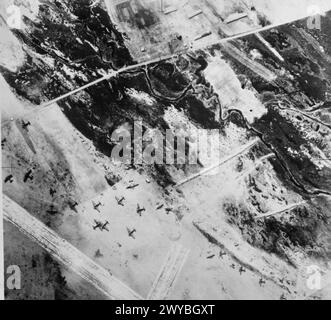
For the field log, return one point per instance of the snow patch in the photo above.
(11, 53)
(28, 8)
(141, 97)
(230, 91)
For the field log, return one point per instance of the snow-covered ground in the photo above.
(11, 53)
(282, 11)
(137, 262)
(230, 91)
(62, 158)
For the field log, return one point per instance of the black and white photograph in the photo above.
(165, 150)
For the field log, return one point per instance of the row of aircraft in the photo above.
(102, 226)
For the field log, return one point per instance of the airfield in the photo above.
(158, 28)
(82, 226)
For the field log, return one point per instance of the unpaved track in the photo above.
(238, 152)
(169, 273)
(67, 254)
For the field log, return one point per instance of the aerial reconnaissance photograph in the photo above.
(165, 150)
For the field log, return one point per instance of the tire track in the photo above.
(66, 254)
